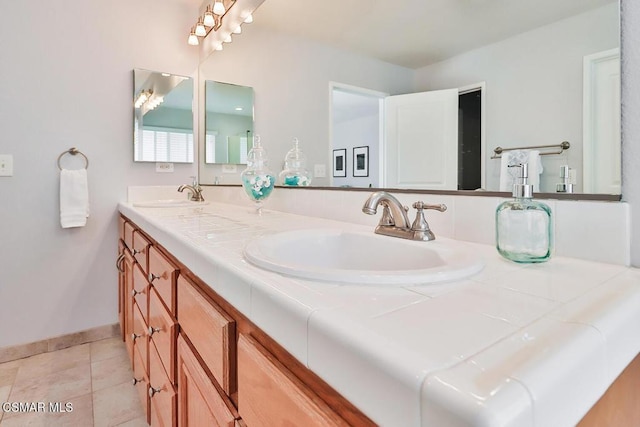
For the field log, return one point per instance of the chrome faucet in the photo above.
(195, 191)
(395, 222)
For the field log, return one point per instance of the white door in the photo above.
(422, 140)
(602, 153)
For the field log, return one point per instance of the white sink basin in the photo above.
(168, 203)
(368, 258)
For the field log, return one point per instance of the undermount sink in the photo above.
(168, 203)
(355, 257)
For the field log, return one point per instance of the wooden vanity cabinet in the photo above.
(199, 401)
(183, 341)
(270, 395)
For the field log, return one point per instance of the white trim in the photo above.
(482, 87)
(587, 114)
(381, 140)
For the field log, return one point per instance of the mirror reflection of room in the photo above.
(163, 117)
(228, 123)
(541, 74)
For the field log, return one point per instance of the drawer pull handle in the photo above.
(134, 337)
(153, 277)
(136, 381)
(153, 391)
(153, 330)
(136, 252)
(134, 292)
(119, 263)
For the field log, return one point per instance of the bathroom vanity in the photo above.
(215, 340)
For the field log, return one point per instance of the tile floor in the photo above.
(95, 378)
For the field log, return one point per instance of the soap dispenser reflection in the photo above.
(524, 225)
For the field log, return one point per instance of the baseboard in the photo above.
(56, 343)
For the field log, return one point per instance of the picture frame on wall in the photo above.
(361, 161)
(340, 163)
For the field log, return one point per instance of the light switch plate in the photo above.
(228, 168)
(319, 171)
(6, 165)
(164, 167)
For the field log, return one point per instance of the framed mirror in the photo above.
(538, 74)
(228, 123)
(163, 117)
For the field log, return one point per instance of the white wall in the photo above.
(299, 106)
(631, 119)
(72, 60)
(533, 87)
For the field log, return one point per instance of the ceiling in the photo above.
(414, 33)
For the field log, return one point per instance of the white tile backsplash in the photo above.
(595, 231)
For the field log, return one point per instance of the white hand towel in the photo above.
(509, 176)
(74, 198)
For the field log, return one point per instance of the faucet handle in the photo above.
(422, 205)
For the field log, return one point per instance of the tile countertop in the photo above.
(514, 345)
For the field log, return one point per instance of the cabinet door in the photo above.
(162, 333)
(139, 336)
(162, 395)
(140, 250)
(141, 381)
(199, 402)
(162, 276)
(140, 292)
(211, 331)
(270, 395)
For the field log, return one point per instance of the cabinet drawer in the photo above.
(141, 381)
(162, 276)
(270, 395)
(128, 229)
(211, 331)
(140, 291)
(162, 333)
(140, 250)
(199, 402)
(139, 336)
(121, 223)
(162, 395)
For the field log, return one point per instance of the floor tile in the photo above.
(79, 414)
(115, 405)
(109, 372)
(44, 364)
(106, 349)
(61, 386)
(8, 372)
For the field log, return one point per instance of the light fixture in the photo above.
(200, 30)
(218, 8)
(166, 75)
(209, 20)
(238, 108)
(219, 46)
(193, 39)
(154, 101)
(142, 98)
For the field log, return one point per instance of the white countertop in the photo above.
(515, 345)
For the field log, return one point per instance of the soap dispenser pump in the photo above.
(524, 225)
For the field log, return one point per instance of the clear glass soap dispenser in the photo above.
(524, 225)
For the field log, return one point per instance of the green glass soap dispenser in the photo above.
(524, 225)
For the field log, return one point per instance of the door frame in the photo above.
(482, 87)
(381, 140)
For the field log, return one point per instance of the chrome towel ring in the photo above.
(73, 151)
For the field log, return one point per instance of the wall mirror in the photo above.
(228, 123)
(510, 74)
(163, 117)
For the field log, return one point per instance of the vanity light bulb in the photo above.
(227, 39)
(209, 20)
(219, 47)
(248, 19)
(218, 8)
(200, 30)
(193, 39)
(238, 30)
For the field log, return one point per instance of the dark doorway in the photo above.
(470, 140)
